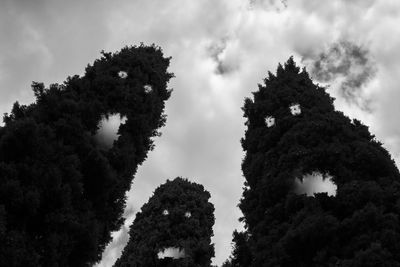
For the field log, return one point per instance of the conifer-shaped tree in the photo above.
(241, 253)
(294, 133)
(174, 228)
(61, 192)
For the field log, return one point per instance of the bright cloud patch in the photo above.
(171, 252)
(108, 130)
(315, 182)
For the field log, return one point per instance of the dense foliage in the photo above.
(61, 194)
(359, 226)
(241, 254)
(177, 215)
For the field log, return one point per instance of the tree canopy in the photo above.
(61, 194)
(293, 129)
(241, 253)
(178, 216)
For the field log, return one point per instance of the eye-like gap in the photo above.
(148, 88)
(165, 212)
(188, 214)
(123, 74)
(295, 109)
(270, 121)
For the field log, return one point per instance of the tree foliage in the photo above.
(357, 227)
(241, 254)
(164, 222)
(61, 195)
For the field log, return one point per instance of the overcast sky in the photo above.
(220, 50)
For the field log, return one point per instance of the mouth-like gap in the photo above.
(171, 252)
(108, 129)
(313, 183)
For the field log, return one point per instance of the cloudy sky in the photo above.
(220, 50)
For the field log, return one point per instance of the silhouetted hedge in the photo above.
(359, 226)
(178, 215)
(61, 194)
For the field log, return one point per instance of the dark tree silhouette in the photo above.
(359, 226)
(61, 193)
(241, 254)
(177, 217)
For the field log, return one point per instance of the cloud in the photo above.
(171, 252)
(36, 37)
(347, 62)
(114, 249)
(108, 130)
(223, 53)
(315, 182)
(216, 51)
(275, 5)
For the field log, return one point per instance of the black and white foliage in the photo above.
(67, 160)
(174, 228)
(319, 189)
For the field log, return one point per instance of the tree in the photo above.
(293, 130)
(61, 194)
(174, 228)
(241, 254)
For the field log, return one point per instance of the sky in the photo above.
(221, 50)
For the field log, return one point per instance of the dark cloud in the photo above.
(347, 62)
(217, 52)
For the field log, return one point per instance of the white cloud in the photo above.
(315, 182)
(108, 129)
(171, 252)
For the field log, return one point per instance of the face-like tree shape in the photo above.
(286, 225)
(173, 228)
(61, 192)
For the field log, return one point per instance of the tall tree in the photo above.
(294, 133)
(61, 193)
(174, 228)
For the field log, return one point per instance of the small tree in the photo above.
(241, 254)
(293, 131)
(178, 217)
(61, 194)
